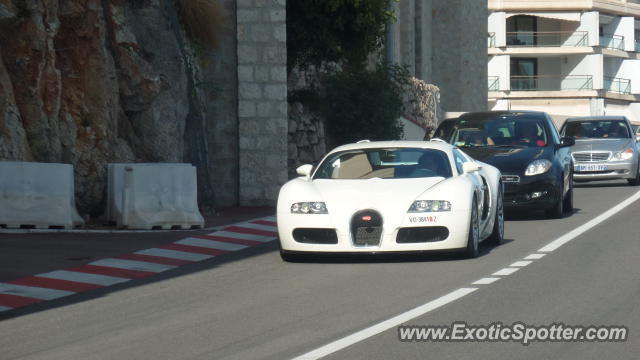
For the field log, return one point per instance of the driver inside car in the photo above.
(527, 133)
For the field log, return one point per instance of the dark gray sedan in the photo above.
(606, 148)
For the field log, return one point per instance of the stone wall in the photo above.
(421, 103)
(262, 99)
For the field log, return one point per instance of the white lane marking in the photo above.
(174, 254)
(485, 281)
(242, 236)
(521, 263)
(4, 308)
(132, 265)
(584, 227)
(385, 325)
(506, 271)
(211, 244)
(257, 226)
(268, 218)
(33, 291)
(535, 256)
(96, 279)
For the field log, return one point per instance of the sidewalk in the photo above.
(32, 253)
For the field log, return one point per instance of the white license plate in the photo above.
(590, 167)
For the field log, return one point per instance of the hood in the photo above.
(391, 197)
(509, 160)
(602, 145)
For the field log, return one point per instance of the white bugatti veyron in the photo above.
(391, 196)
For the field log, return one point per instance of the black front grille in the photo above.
(422, 234)
(315, 236)
(366, 228)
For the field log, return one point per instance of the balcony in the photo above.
(551, 83)
(615, 42)
(548, 38)
(617, 85)
(492, 40)
(494, 83)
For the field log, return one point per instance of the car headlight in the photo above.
(430, 206)
(538, 167)
(313, 207)
(623, 155)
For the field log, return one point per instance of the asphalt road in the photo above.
(251, 305)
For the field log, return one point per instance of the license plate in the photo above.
(590, 167)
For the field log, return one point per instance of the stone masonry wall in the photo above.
(262, 99)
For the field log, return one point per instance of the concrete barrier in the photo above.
(153, 196)
(37, 195)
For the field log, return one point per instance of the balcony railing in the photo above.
(494, 83)
(548, 38)
(615, 42)
(492, 40)
(551, 82)
(637, 46)
(617, 85)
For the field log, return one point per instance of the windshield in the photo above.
(401, 163)
(599, 129)
(501, 130)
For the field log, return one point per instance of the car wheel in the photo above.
(474, 232)
(497, 236)
(558, 209)
(568, 200)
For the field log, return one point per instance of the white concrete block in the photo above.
(153, 195)
(39, 195)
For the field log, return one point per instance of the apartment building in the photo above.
(568, 58)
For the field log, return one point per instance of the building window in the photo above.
(524, 73)
(521, 30)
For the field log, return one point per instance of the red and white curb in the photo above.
(140, 264)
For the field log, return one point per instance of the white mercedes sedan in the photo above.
(391, 196)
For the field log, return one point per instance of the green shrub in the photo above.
(357, 103)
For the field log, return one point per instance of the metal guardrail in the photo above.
(617, 85)
(551, 82)
(548, 38)
(615, 42)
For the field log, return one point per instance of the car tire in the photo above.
(557, 210)
(473, 240)
(497, 235)
(568, 200)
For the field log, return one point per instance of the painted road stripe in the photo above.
(236, 235)
(486, 281)
(194, 249)
(249, 225)
(521, 263)
(244, 230)
(211, 244)
(181, 255)
(133, 265)
(14, 301)
(266, 222)
(102, 280)
(385, 325)
(33, 291)
(4, 308)
(505, 271)
(111, 271)
(535, 256)
(269, 218)
(585, 227)
(155, 259)
(57, 284)
(231, 240)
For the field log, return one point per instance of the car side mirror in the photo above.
(304, 170)
(470, 167)
(567, 141)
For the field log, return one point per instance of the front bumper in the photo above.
(611, 171)
(539, 192)
(456, 222)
